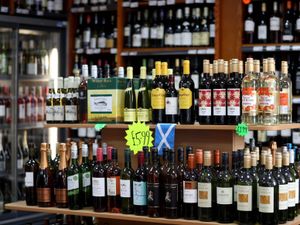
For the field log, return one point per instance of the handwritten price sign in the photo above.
(138, 135)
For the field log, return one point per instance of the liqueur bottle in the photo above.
(285, 98)
(126, 179)
(171, 100)
(225, 192)
(180, 176)
(85, 174)
(44, 180)
(206, 189)
(190, 190)
(130, 99)
(61, 193)
(31, 170)
(143, 98)
(98, 184)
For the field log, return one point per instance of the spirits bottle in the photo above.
(171, 100)
(98, 184)
(61, 192)
(285, 98)
(31, 170)
(130, 99)
(143, 98)
(249, 95)
(126, 185)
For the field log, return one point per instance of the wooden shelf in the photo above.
(21, 206)
(32, 78)
(180, 127)
(91, 9)
(271, 47)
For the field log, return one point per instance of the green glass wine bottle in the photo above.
(143, 98)
(85, 174)
(130, 99)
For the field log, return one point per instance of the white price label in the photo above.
(270, 48)
(258, 48)
(284, 48)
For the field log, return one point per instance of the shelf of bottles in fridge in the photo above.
(167, 51)
(42, 14)
(89, 9)
(271, 48)
(5, 77)
(33, 125)
(96, 51)
(128, 4)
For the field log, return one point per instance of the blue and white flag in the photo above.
(164, 136)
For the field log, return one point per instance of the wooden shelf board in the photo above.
(183, 127)
(271, 47)
(21, 206)
(270, 44)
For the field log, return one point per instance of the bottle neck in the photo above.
(63, 161)
(44, 161)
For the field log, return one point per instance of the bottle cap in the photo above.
(71, 82)
(99, 154)
(158, 68)
(207, 158)
(60, 82)
(85, 70)
(129, 72)
(84, 149)
(74, 151)
(170, 71)
(121, 72)
(143, 72)
(206, 66)
(164, 68)
(94, 71)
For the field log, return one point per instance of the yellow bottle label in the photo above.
(185, 98)
(129, 115)
(143, 115)
(158, 98)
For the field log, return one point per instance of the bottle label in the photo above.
(98, 186)
(224, 196)
(266, 99)
(169, 39)
(195, 78)
(145, 32)
(176, 82)
(204, 38)
(171, 196)
(86, 36)
(49, 113)
(93, 43)
(77, 42)
(284, 106)
(185, 98)
(32, 68)
(171, 105)
(113, 186)
(33, 110)
(283, 196)
(59, 113)
(286, 133)
(235, 193)
(177, 39)
(266, 199)
(186, 38)
(73, 182)
(153, 33)
(43, 194)
(71, 112)
(129, 115)
(262, 32)
(136, 40)
(196, 38)
(20, 164)
(292, 194)
(139, 193)
(50, 5)
(58, 5)
(29, 181)
(298, 24)
(22, 112)
(233, 102)
(127, 31)
(297, 191)
(40, 110)
(244, 198)
(249, 25)
(101, 42)
(204, 102)
(287, 37)
(1, 206)
(86, 179)
(249, 101)
(274, 23)
(153, 195)
(28, 109)
(219, 101)
(190, 191)
(296, 137)
(143, 115)
(125, 188)
(212, 30)
(160, 32)
(61, 195)
(2, 110)
(204, 195)
(158, 98)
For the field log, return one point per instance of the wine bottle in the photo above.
(190, 190)
(196, 29)
(285, 106)
(58, 102)
(275, 24)
(186, 96)
(153, 186)
(85, 173)
(249, 25)
(140, 186)
(126, 185)
(180, 175)
(287, 23)
(31, 170)
(268, 195)
(204, 31)
(154, 29)
(160, 29)
(73, 180)
(87, 32)
(235, 172)
(71, 104)
(145, 29)
(61, 192)
(143, 98)
(169, 31)
(98, 184)
(199, 161)
(253, 171)
(82, 89)
(44, 180)
(113, 184)
(101, 43)
(136, 34)
(162, 179)
(130, 100)
(171, 100)
(262, 26)
(295, 174)
(206, 189)
(146, 159)
(178, 28)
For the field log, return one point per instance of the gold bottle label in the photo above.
(129, 115)
(158, 98)
(143, 115)
(43, 194)
(61, 195)
(185, 98)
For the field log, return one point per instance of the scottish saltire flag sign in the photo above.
(164, 136)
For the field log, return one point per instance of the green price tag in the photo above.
(138, 135)
(241, 129)
(99, 126)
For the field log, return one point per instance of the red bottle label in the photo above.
(219, 100)
(204, 102)
(233, 102)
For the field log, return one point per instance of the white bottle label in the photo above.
(145, 32)
(283, 196)
(171, 105)
(286, 133)
(266, 199)
(139, 193)
(127, 31)
(244, 198)
(296, 137)
(59, 113)
(28, 109)
(73, 182)
(71, 112)
(287, 37)
(32, 68)
(224, 195)
(125, 188)
(29, 180)
(112, 186)
(77, 42)
(298, 24)
(2, 110)
(20, 164)
(49, 113)
(212, 30)
(292, 194)
(160, 32)
(190, 192)
(58, 5)
(101, 42)
(93, 43)
(86, 179)
(86, 36)
(195, 78)
(50, 6)
(186, 38)
(22, 111)
(153, 33)
(98, 186)
(204, 102)
(169, 38)
(137, 40)
(204, 195)
(249, 25)
(262, 32)
(274, 23)
(297, 191)
(176, 82)
(177, 39)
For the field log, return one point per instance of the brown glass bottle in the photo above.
(61, 194)
(44, 181)
(180, 174)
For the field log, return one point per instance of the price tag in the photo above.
(161, 3)
(137, 136)
(89, 51)
(284, 48)
(199, 1)
(113, 51)
(25, 11)
(258, 48)
(94, 8)
(270, 48)
(210, 51)
(201, 52)
(192, 52)
(152, 2)
(99, 126)
(97, 51)
(4, 9)
(132, 53)
(241, 129)
(79, 51)
(296, 48)
(134, 4)
(189, 1)
(170, 2)
(124, 53)
(103, 8)
(126, 4)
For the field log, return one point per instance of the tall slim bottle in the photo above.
(235, 172)
(86, 178)
(126, 179)
(130, 100)
(44, 180)
(82, 89)
(171, 100)
(31, 170)
(295, 174)
(180, 176)
(61, 193)
(285, 98)
(49, 104)
(58, 102)
(143, 107)
(186, 96)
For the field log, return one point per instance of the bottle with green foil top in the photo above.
(85, 174)
(130, 100)
(143, 98)
(73, 180)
